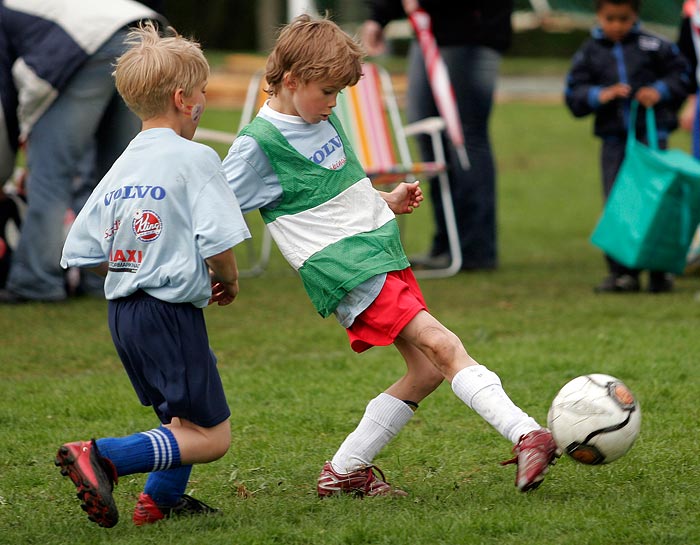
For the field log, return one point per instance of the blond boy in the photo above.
(160, 226)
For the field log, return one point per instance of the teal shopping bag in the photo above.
(654, 207)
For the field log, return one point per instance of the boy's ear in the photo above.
(180, 103)
(290, 81)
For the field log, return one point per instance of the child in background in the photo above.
(294, 163)
(621, 62)
(160, 226)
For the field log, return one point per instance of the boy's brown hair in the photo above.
(314, 50)
(155, 66)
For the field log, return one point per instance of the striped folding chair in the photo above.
(370, 116)
(255, 97)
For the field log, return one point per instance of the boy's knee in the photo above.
(443, 344)
(220, 441)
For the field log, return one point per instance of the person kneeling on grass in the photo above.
(160, 225)
(342, 237)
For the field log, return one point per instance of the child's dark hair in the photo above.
(634, 4)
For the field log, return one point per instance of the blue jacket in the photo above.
(641, 59)
(42, 44)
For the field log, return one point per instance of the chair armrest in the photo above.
(429, 125)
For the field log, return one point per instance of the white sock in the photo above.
(384, 417)
(482, 391)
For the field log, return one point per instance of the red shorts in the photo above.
(396, 305)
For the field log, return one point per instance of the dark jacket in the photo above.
(477, 22)
(642, 59)
(42, 45)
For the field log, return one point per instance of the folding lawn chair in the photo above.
(255, 98)
(371, 118)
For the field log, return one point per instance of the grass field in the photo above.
(296, 389)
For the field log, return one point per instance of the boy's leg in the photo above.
(619, 278)
(481, 390)
(94, 466)
(534, 448)
(164, 496)
(351, 469)
(384, 417)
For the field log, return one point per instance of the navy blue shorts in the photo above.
(165, 350)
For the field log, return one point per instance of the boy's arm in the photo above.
(100, 270)
(224, 277)
(403, 198)
(675, 82)
(581, 92)
(250, 176)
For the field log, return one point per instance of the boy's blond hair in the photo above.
(314, 50)
(155, 66)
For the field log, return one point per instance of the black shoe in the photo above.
(660, 282)
(189, 506)
(147, 512)
(623, 283)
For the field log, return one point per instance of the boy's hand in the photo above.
(223, 275)
(647, 96)
(404, 197)
(223, 293)
(619, 90)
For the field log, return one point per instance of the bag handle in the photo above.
(652, 134)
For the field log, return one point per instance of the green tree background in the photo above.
(250, 25)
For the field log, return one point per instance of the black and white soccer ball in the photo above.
(595, 419)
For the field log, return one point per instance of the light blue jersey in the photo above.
(161, 210)
(255, 184)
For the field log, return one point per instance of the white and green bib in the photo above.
(331, 225)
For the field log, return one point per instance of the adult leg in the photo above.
(473, 72)
(57, 144)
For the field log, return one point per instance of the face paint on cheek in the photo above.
(196, 113)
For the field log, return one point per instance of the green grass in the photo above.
(296, 389)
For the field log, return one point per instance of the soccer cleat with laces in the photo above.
(94, 477)
(148, 512)
(362, 482)
(534, 453)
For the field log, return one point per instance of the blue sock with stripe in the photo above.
(153, 450)
(167, 487)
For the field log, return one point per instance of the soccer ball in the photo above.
(594, 419)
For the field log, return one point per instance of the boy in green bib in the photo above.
(294, 163)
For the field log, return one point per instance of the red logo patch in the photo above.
(146, 225)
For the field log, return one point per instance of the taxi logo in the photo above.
(146, 225)
(125, 260)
